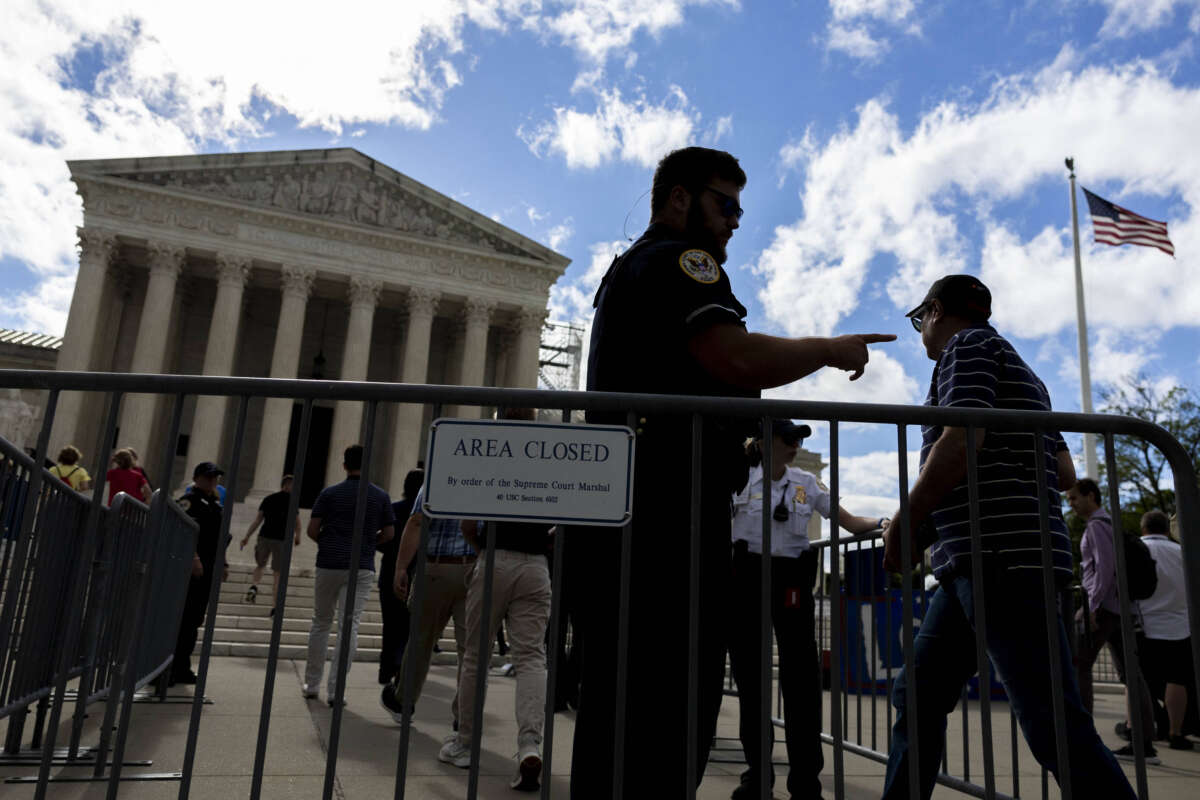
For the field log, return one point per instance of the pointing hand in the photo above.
(850, 352)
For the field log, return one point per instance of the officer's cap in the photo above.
(790, 432)
(206, 468)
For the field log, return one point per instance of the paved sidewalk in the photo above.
(296, 754)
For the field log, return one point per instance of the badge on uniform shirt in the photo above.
(801, 495)
(700, 266)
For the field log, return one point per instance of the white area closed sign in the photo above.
(529, 471)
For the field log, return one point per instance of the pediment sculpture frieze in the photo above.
(331, 191)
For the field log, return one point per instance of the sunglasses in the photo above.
(917, 317)
(729, 206)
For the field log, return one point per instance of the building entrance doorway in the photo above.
(319, 432)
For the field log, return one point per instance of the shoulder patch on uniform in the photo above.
(700, 266)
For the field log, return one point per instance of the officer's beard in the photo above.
(699, 233)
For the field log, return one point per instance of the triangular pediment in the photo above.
(339, 185)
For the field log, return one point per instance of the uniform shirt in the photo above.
(73, 475)
(274, 508)
(978, 368)
(653, 300)
(801, 494)
(334, 506)
(1098, 563)
(1164, 613)
(445, 535)
(206, 510)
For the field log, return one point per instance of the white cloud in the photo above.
(868, 484)
(560, 234)
(637, 131)
(884, 381)
(141, 78)
(872, 190)
(854, 25)
(890, 10)
(1129, 17)
(856, 42)
(597, 28)
(571, 301)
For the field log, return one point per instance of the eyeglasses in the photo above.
(917, 317)
(729, 206)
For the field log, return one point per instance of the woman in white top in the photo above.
(795, 495)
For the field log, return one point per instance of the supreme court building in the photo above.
(305, 263)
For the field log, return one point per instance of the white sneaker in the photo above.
(529, 771)
(307, 693)
(455, 752)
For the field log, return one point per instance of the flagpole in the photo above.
(1085, 378)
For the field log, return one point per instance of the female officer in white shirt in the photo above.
(795, 494)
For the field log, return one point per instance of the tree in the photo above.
(1140, 465)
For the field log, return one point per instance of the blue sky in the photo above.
(887, 142)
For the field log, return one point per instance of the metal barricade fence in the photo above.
(33, 616)
(839, 733)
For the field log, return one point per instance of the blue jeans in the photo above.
(1018, 648)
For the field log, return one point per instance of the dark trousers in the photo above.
(194, 608)
(395, 632)
(792, 610)
(1018, 648)
(1108, 633)
(657, 704)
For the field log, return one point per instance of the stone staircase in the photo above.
(244, 629)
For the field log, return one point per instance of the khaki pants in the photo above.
(521, 596)
(329, 603)
(445, 597)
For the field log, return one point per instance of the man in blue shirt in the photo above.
(978, 368)
(332, 528)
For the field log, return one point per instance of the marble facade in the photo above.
(311, 263)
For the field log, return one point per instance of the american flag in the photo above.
(1115, 225)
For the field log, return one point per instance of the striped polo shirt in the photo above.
(335, 508)
(978, 368)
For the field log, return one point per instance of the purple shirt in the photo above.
(1099, 563)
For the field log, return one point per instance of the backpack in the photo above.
(1140, 569)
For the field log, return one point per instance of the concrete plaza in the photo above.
(299, 736)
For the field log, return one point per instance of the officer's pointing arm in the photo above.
(758, 361)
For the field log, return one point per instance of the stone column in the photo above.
(139, 411)
(504, 345)
(97, 249)
(406, 435)
(208, 424)
(285, 361)
(523, 370)
(347, 416)
(476, 316)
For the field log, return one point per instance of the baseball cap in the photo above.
(962, 295)
(206, 468)
(789, 431)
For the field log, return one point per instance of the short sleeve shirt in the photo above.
(445, 535)
(72, 475)
(1165, 613)
(801, 494)
(124, 480)
(274, 508)
(334, 506)
(978, 368)
(654, 299)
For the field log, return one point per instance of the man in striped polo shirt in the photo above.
(978, 368)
